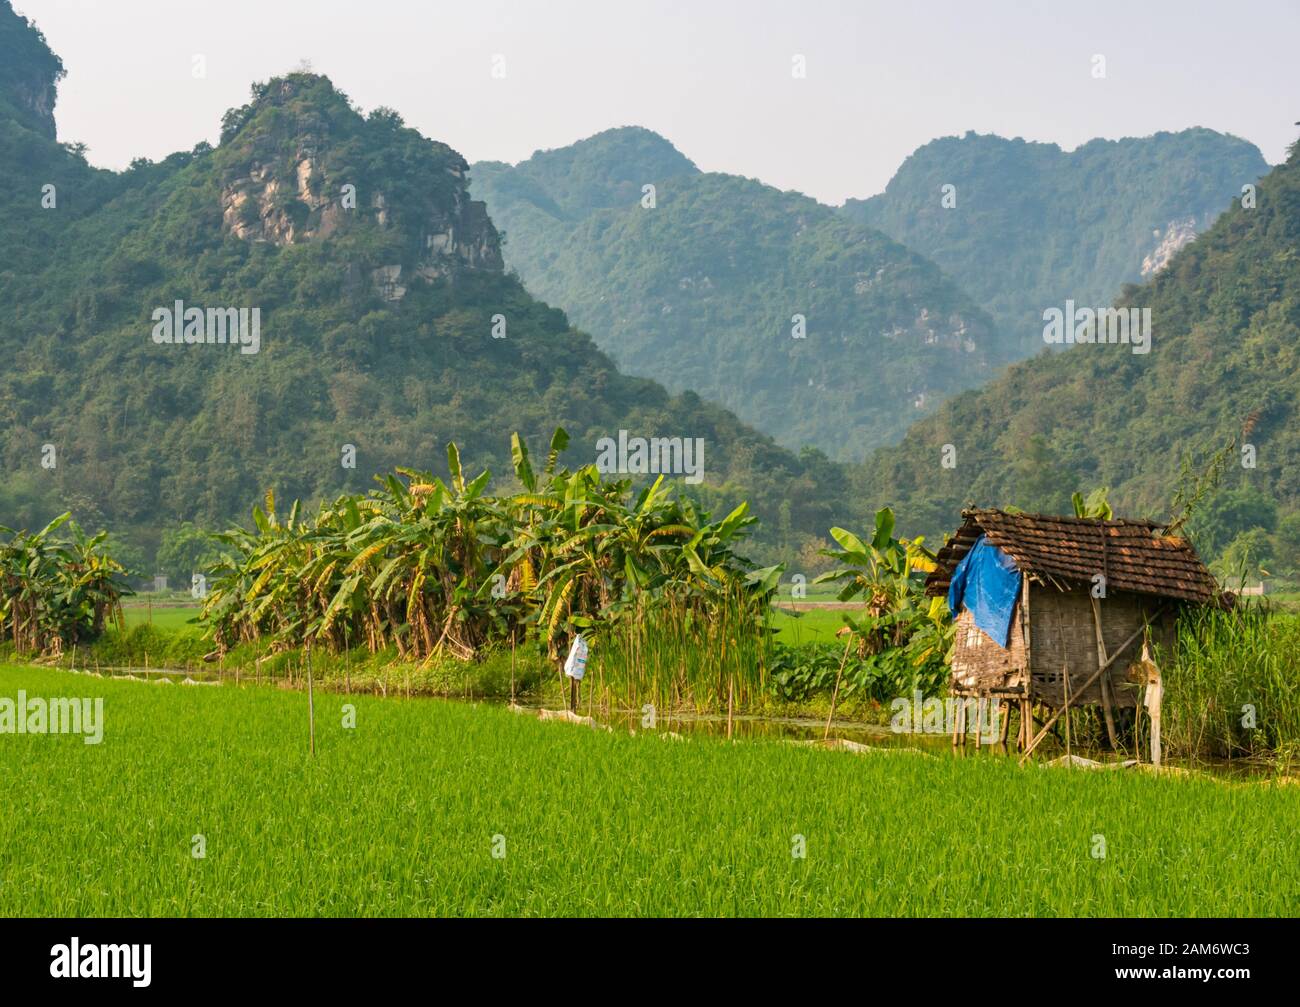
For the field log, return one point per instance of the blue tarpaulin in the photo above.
(987, 582)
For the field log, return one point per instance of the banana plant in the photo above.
(886, 574)
(423, 565)
(57, 591)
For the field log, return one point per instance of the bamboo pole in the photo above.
(311, 705)
(835, 695)
(1065, 686)
(1092, 678)
(1106, 704)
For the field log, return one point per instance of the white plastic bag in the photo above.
(575, 665)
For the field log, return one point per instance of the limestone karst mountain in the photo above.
(812, 329)
(388, 325)
(1022, 226)
(1223, 365)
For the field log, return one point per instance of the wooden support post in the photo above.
(731, 694)
(979, 720)
(1065, 685)
(1154, 697)
(1027, 635)
(1004, 711)
(958, 722)
(1106, 705)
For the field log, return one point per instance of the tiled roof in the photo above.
(1132, 555)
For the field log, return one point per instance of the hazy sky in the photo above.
(712, 76)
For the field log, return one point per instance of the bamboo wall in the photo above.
(1063, 635)
(1052, 630)
(979, 666)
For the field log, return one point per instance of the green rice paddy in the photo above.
(164, 617)
(429, 807)
(814, 625)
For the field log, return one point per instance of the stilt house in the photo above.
(1042, 604)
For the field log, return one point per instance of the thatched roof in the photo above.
(1066, 551)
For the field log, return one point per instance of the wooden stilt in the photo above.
(1065, 685)
(1106, 704)
(1154, 697)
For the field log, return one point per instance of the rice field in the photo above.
(162, 616)
(814, 625)
(430, 807)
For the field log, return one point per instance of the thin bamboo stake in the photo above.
(311, 705)
(835, 695)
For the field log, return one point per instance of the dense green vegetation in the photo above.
(1032, 225)
(700, 291)
(57, 591)
(427, 567)
(148, 436)
(402, 814)
(1221, 378)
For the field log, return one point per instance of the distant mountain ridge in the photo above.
(1021, 226)
(1224, 365)
(816, 331)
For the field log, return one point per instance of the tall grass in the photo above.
(1228, 670)
(673, 654)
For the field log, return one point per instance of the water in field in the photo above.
(854, 735)
(159, 676)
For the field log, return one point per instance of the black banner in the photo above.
(333, 956)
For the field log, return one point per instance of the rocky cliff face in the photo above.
(300, 165)
(1177, 234)
(36, 97)
(29, 71)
